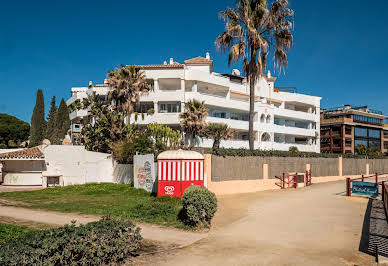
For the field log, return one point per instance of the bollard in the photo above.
(284, 181)
(296, 180)
(382, 190)
(362, 178)
(348, 191)
(377, 178)
(288, 177)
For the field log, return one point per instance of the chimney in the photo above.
(90, 83)
(105, 81)
(165, 63)
(171, 61)
(207, 56)
(269, 74)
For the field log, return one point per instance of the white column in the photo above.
(156, 107)
(182, 85)
(228, 95)
(156, 85)
(195, 86)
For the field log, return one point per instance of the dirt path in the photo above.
(308, 226)
(178, 238)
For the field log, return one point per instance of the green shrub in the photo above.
(104, 242)
(199, 206)
(273, 153)
(293, 149)
(10, 231)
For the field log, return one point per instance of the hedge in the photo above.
(103, 242)
(273, 153)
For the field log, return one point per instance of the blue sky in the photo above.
(339, 51)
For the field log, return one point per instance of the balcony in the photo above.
(78, 114)
(235, 124)
(341, 120)
(295, 114)
(293, 131)
(160, 118)
(214, 100)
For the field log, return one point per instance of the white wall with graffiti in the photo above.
(74, 164)
(23, 172)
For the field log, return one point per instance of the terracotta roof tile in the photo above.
(198, 61)
(31, 153)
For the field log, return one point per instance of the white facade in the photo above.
(282, 119)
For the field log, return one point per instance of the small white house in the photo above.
(63, 165)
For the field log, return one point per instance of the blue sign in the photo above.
(365, 188)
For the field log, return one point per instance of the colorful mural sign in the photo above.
(144, 172)
(365, 188)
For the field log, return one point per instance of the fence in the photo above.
(233, 174)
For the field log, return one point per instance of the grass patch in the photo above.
(101, 199)
(9, 232)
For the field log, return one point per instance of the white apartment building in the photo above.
(282, 119)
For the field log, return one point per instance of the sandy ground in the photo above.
(309, 226)
(317, 225)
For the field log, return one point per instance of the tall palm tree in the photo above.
(193, 119)
(127, 85)
(252, 30)
(218, 132)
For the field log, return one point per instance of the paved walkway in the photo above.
(308, 226)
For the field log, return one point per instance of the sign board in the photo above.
(365, 188)
(144, 172)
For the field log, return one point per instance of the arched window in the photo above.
(265, 137)
(268, 119)
(262, 118)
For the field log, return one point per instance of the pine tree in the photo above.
(62, 121)
(51, 121)
(38, 124)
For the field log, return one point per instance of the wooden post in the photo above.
(362, 178)
(348, 191)
(383, 190)
(288, 177)
(377, 178)
(283, 181)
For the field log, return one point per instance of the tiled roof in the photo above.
(175, 65)
(198, 61)
(31, 153)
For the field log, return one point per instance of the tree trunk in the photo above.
(216, 143)
(252, 81)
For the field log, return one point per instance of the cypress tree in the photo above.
(51, 121)
(62, 121)
(38, 124)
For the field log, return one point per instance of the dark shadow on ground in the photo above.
(365, 245)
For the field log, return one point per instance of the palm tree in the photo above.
(127, 85)
(251, 32)
(193, 119)
(218, 132)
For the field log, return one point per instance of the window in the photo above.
(170, 107)
(265, 137)
(76, 126)
(262, 118)
(360, 132)
(268, 119)
(144, 107)
(374, 133)
(366, 119)
(348, 130)
(348, 142)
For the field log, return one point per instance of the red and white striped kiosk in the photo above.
(177, 170)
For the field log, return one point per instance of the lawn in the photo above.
(9, 232)
(100, 199)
